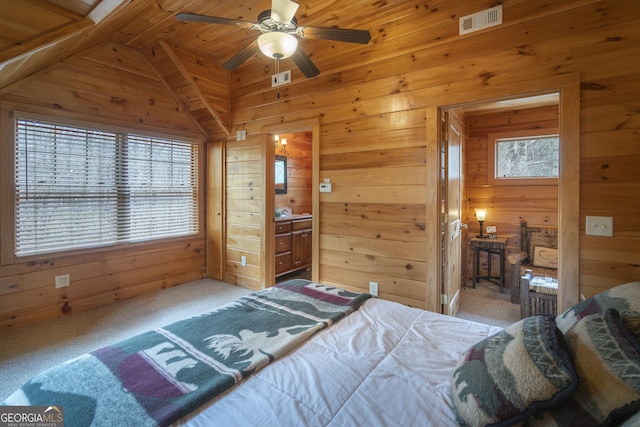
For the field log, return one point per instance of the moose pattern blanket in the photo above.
(159, 376)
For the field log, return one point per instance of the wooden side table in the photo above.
(491, 247)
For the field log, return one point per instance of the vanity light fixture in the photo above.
(280, 144)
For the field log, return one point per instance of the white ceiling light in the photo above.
(277, 44)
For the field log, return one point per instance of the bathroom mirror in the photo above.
(281, 174)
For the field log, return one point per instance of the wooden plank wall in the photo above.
(244, 207)
(506, 205)
(109, 85)
(370, 101)
(372, 128)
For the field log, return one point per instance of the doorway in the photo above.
(292, 205)
(505, 202)
(567, 88)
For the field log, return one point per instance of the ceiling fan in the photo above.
(280, 30)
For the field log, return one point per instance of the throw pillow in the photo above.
(606, 357)
(623, 297)
(545, 257)
(506, 377)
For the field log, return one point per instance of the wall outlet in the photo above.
(243, 261)
(373, 288)
(62, 281)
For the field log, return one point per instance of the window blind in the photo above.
(80, 188)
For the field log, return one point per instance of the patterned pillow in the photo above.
(606, 356)
(623, 297)
(505, 377)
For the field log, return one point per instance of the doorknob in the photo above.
(463, 226)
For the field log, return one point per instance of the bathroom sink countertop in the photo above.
(294, 216)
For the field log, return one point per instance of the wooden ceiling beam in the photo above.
(174, 95)
(44, 41)
(194, 86)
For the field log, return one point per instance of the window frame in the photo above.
(492, 157)
(8, 122)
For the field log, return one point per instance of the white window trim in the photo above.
(491, 157)
(7, 184)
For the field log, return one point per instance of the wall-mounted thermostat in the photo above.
(325, 187)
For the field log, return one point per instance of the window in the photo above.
(524, 157)
(80, 188)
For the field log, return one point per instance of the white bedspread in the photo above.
(385, 365)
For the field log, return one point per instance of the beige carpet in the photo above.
(485, 304)
(26, 351)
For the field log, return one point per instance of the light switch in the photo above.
(599, 226)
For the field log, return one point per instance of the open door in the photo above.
(457, 96)
(451, 165)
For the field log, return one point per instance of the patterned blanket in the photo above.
(159, 376)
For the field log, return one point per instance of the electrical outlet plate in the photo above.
(243, 261)
(62, 281)
(373, 288)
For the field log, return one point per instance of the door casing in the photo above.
(568, 88)
(267, 255)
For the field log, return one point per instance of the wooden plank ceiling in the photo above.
(38, 35)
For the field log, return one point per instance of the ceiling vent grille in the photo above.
(481, 20)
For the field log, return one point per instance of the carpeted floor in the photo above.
(26, 351)
(485, 304)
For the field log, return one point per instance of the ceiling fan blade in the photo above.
(283, 11)
(242, 56)
(192, 17)
(305, 63)
(337, 34)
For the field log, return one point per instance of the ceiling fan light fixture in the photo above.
(277, 44)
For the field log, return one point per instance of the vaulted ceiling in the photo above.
(37, 35)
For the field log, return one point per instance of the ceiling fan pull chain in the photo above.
(278, 72)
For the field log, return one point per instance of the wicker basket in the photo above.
(536, 297)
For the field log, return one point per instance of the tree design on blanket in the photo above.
(249, 346)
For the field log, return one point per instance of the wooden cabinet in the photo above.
(293, 244)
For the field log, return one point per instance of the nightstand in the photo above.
(492, 247)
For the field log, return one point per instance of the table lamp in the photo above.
(481, 214)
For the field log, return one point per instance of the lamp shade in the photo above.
(277, 44)
(481, 214)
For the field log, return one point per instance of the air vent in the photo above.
(481, 20)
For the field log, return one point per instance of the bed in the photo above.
(385, 365)
(379, 363)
